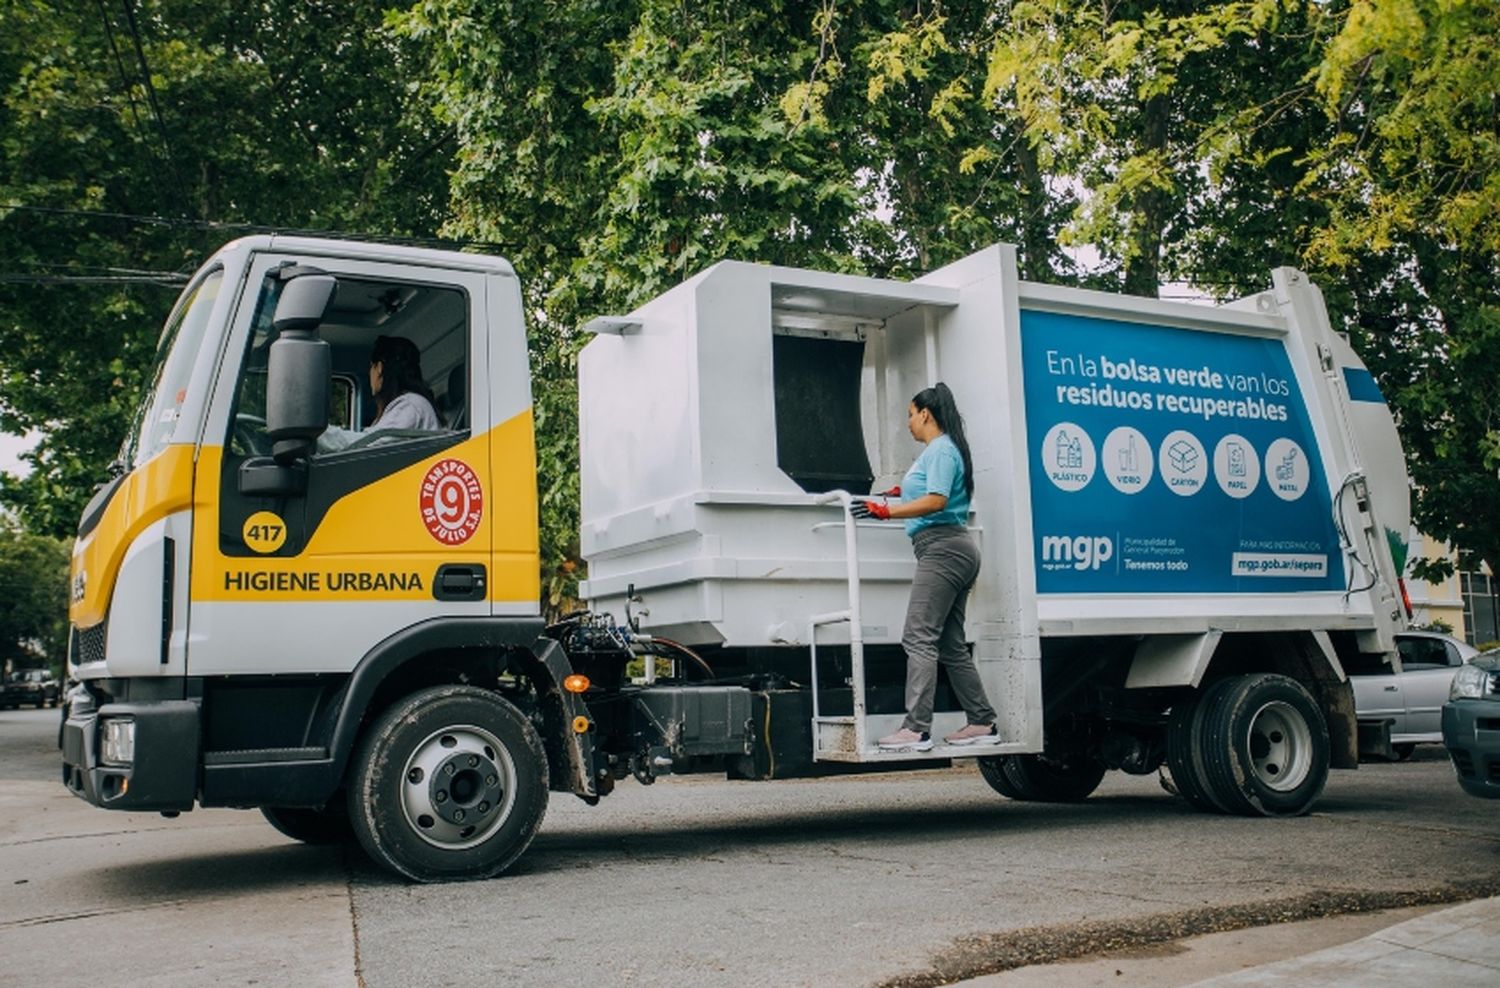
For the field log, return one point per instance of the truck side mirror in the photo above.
(299, 368)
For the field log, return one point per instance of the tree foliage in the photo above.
(1411, 178)
(615, 148)
(620, 148)
(273, 114)
(33, 597)
(1212, 141)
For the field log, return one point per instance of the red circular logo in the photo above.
(452, 501)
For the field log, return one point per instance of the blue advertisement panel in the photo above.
(1171, 461)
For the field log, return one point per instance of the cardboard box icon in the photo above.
(1183, 455)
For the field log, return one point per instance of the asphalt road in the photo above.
(907, 879)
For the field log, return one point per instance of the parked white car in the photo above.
(1414, 697)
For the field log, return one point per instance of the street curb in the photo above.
(974, 956)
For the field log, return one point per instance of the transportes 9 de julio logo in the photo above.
(452, 501)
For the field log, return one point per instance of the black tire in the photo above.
(1189, 749)
(993, 770)
(330, 825)
(1265, 746)
(1045, 779)
(1402, 752)
(1186, 775)
(448, 783)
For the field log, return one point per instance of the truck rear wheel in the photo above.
(1039, 778)
(1265, 746)
(449, 783)
(1185, 748)
(330, 825)
(993, 770)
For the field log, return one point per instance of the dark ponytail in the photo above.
(400, 369)
(939, 401)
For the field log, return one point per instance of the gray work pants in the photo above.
(947, 565)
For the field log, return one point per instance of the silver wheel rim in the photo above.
(1280, 745)
(458, 787)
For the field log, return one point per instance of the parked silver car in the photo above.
(1414, 697)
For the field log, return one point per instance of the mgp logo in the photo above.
(1079, 551)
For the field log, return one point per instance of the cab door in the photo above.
(385, 528)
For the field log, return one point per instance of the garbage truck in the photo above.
(1191, 518)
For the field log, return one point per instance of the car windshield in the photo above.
(156, 417)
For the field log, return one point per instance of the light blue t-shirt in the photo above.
(939, 470)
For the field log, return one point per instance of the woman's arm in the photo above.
(927, 504)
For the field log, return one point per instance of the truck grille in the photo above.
(88, 644)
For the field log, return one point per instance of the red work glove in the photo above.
(893, 492)
(870, 509)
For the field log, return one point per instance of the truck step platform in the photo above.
(836, 740)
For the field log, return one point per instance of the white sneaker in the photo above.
(974, 734)
(906, 740)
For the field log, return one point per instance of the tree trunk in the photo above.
(1148, 217)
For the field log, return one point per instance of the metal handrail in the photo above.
(852, 615)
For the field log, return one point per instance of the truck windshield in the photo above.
(170, 371)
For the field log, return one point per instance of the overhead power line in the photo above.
(109, 33)
(140, 55)
(157, 175)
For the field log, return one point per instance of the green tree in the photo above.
(1215, 140)
(613, 149)
(618, 149)
(272, 114)
(1411, 178)
(33, 597)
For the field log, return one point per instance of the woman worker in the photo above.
(402, 398)
(934, 501)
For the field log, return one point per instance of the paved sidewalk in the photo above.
(1453, 948)
(1423, 946)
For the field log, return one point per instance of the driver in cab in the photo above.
(403, 401)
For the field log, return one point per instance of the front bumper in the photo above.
(163, 773)
(1471, 733)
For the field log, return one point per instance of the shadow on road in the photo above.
(893, 827)
(210, 876)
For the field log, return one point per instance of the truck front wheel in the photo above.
(449, 783)
(1264, 746)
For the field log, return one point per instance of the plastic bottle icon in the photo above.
(1069, 452)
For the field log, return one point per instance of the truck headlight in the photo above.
(1469, 683)
(117, 747)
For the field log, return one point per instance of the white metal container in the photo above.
(1142, 467)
